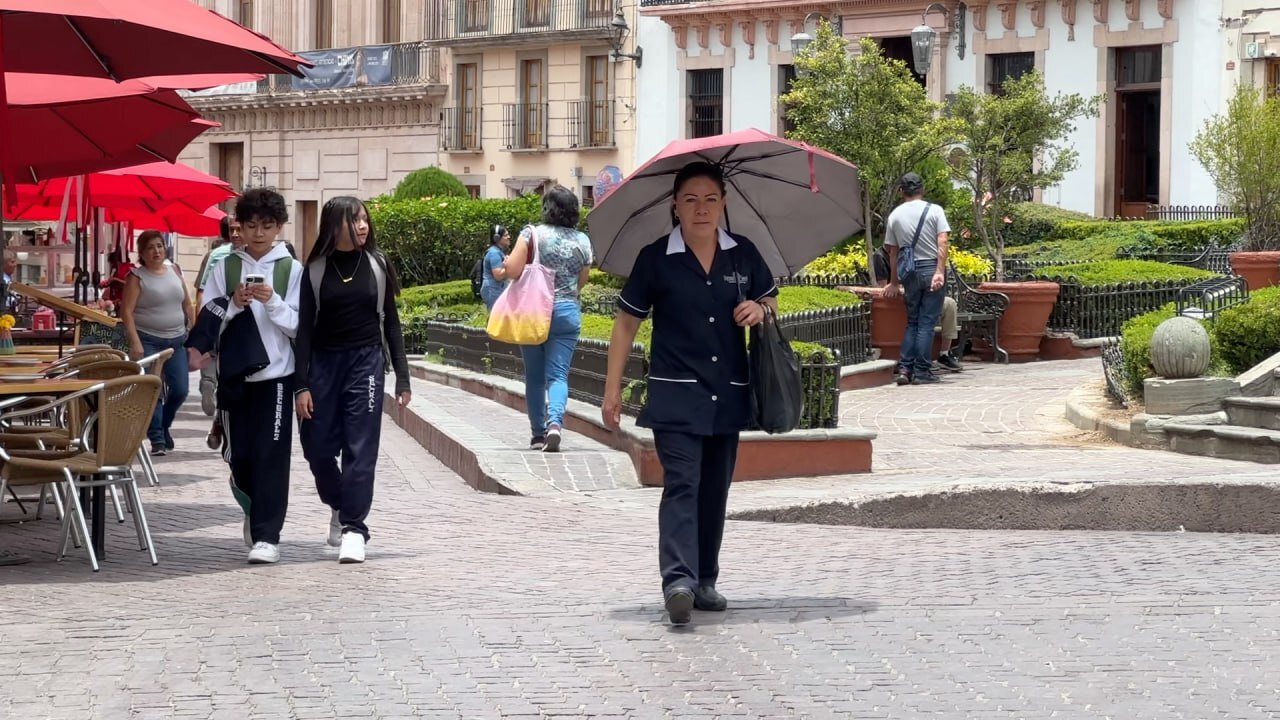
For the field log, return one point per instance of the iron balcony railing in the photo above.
(591, 123)
(524, 126)
(366, 66)
(475, 19)
(460, 128)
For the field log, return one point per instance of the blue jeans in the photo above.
(489, 293)
(924, 307)
(176, 376)
(546, 368)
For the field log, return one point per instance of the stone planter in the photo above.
(1259, 269)
(1022, 327)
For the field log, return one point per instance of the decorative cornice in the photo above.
(323, 117)
(1068, 12)
(1101, 10)
(1037, 12)
(681, 32)
(1133, 10)
(771, 30)
(749, 36)
(978, 10)
(1008, 13)
(1165, 7)
(703, 32)
(724, 24)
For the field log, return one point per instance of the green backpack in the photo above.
(233, 265)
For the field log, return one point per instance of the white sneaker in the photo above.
(248, 534)
(335, 530)
(352, 548)
(264, 553)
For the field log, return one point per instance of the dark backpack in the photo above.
(477, 277)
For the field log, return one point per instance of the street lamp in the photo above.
(801, 40)
(618, 34)
(923, 37)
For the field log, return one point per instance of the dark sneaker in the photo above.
(948, 362)
(168, 441)
(706, 598)
(552, 442)
(902, 378)
(158, 448)
(680, 606)
(925, 379)
(537, 442)
(214, 438)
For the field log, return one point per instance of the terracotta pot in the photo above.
(1259, 269)
(1023, 324)
(889, 324)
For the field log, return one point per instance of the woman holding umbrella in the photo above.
(702, 286)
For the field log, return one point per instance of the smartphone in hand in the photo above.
(254, 279)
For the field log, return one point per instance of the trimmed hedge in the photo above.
(429, 182)
(1104, 246)
(1168, 234)
(1250, 333)
(1111, 272)
(1032, 222)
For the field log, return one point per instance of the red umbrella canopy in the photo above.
(175, 219)
(68, 125)
(125, 39)
(165, 188)
(792, 200)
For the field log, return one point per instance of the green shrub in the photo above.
(456, 292)
(600, 278)
(429, 182)
(1135, 342)
(1110, 272)
(1103, 246)
(800, 298)
(1032, 222)
(1250, 333)
(1159, 234)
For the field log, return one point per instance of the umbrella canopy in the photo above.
(794, 201)
(142, 190)
(62, 125)
(173, 219)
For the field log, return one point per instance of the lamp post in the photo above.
(924, 37)
(801, 40)
(618, 32)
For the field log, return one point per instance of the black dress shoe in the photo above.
(680, 605)
(706, 598)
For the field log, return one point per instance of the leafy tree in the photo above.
(868, 109)
(1240, 149)
(1008, 144)
(429, 182)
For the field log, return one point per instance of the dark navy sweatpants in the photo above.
(346, 423)
(696, 472)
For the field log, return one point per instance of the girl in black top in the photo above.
(348, 333)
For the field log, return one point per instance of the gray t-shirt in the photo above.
(902, 226)
(160, 311)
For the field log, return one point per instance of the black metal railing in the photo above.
(1191, 212)
(524, 126)
(1095, 311)
(1113, 372)
(1205, 299)
(460, 128)
(846, 330)
(474, 19)
(591, 123)
(858, 279)
(1016, 268)
(1213, 257)
(365, 66)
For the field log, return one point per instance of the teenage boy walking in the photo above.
(260, 278)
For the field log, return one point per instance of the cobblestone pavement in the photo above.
(485, 606)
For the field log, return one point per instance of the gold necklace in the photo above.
(345, 280)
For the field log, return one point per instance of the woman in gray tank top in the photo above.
(157, 313)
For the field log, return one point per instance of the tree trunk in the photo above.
(866, 237)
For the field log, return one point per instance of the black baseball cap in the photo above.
(911, 184)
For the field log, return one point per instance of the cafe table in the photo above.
(45, 387)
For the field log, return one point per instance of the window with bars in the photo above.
(599, 110)
(786, 76)
(1002, 67)
(706, 102)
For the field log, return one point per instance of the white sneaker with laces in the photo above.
(352, 548)
(264, 553)
(248, 534)
(335, 530)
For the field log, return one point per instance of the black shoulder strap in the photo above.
(915, 238)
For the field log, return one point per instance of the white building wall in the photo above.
(1198, 62)
(659, 90)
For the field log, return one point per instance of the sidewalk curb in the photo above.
(449, 450)
(1081, 412)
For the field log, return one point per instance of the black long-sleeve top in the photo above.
(348, 316)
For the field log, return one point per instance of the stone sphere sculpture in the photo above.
(1180, 349)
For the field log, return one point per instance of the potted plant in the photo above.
(1008, 143)
(1240, 149)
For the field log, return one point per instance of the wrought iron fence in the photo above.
(591, 123)
(1094, 311)
(1113, 371)
(1191, 212)
(460, 128)
(1017, 268)
(846, 330)
(482, 18)
(1212, 257)
(1205, 299)
(858, 279)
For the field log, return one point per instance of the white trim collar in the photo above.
(675, 241)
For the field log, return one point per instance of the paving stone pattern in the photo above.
(486, 606)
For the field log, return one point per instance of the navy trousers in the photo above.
(346, 423)
(696, 472)
(259, 428)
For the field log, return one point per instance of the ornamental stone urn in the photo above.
(1180, 349)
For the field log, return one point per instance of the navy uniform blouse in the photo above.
(698, 375)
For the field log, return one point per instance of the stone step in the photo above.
(1229, 442)
(1255, 412)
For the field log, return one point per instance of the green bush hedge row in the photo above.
(1032, 222)
(1240, 337)
(1111, 272)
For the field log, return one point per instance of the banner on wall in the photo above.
(347, 67)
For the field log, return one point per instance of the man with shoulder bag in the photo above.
(917, 240)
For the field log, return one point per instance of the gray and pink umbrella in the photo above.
(793, 200)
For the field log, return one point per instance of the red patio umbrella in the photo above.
(143, 189)
(61, 125)
(173, 219)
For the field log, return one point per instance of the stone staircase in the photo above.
(1251, 432)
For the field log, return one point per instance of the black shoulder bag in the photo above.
(777, 394)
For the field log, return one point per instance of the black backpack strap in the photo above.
(915, 237)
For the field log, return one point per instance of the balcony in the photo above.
(492, 22)
(370, 71)
(591, 124)
(659, 3)
(460, 129)
(524, 126)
